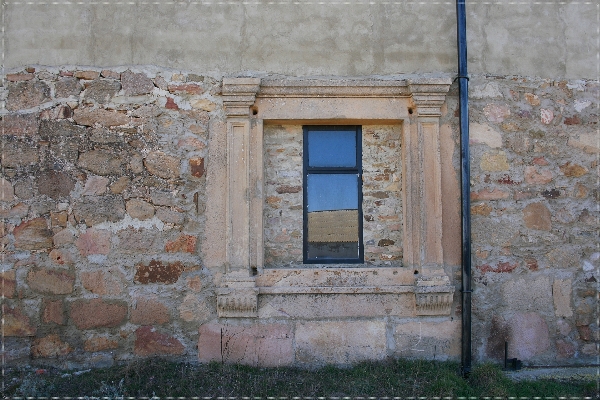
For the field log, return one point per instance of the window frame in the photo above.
(306, 170)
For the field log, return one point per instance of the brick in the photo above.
(89, 117)
(101, 90)
(533, 176)
(103, 283)
(487, 194)
(8, 282)
(494, 162)
(267, 345)
(53, 312)
(537, 216)
(16, 323)
(184, 243)
(99, 343)
(150, 342)
(28, 94)
(94, 241)
(197, 167)
(102, 162)
(97, 313)
(51, 281)
(139, 209)
(55, 185)
(93, 210)
(158, 272)
(50, 346)
(66, 87)
(502, 267)
(20, 124)
(573, 170)
(135, 84)
(147, 311)
(162, 165)
(95, 185)
(86, 75)
(33, 235)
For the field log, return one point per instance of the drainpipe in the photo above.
(463, 93)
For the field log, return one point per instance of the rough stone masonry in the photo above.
(103, 198)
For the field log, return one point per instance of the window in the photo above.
(332, 188)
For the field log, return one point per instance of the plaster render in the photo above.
(302, 39)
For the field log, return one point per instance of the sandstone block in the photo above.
(139, 209)
(187, 88)
(535, 177)
(59, 219)
(20, 124)
(564, 257)
(565, 349)
(170, 216)
(136, 84)
(19, 77)
(101, 90)
(158, 272)
(28, 94)
(89, 117)
(16, 323)
(49, 347)
(162, 165)
(191, 143)
(86, 75)
(587, 142)
(53, 312)
(150, 342)
(63, 237)
(485, 134)
(203, 104)
(66, 87)
(8, 282)
(561, 293)
(197, 167)
(531, 338)
(61, 257)
(192, 308)
(528, 294)
(429, 340)
(120, 185)
(573, 170)
(324, 342)
(97, 313)
(104, 283)
(96, 209)
(481, 209)
(55, 185)
(102, 162)
(51, 281)
(487, 194)
(494, 162)
(147, 311)
(537, 216)
(184, 243)
(532, 99)
(546, 116)
(496, 113)
(33, 235)
(268, 345)
(106, 73)
(95, 185)
(94, 241)
(99, 343)
(7, 192)
(590, 349)
(17, 154)
(137, 240)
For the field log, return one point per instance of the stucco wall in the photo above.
(303, 38)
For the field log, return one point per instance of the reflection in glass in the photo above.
(332, 148)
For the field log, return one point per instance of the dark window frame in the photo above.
(306, 170)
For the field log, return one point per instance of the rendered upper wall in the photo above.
(298, 38)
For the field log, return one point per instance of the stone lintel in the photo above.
(333, 88)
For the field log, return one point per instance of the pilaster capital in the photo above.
(429, 94)
(239, 95)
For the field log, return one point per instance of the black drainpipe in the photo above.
(463, 94)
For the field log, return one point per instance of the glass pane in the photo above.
(332, 148)
(327, 192)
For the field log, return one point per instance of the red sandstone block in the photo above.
(148, 342)
(97, 313)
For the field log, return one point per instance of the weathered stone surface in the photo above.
(120, 185)
(16, 323)
(59, 219)
(106, 73)
(561, 293)
(139, 209)
(324, 342)
(27, 94)
(49, 347)
(17, 154)
(573, 170)
(96, 209)
(162, 165)
(590, 349)
(532, 99)
(487, 194)
(55, 185)
(19, 77)
(494, 162)
(101, 90)
(528, 294)
(481, 209)
(89, 117)
(429, 340)
(136, 84)
(537, 216)
(535, 176)
(33, 235)
(203, 104)
(268, 345)
(496, 113)
(184, 243)
(94, 241)
(16, 349)
(104, 283)
(100, 343)
(485, 134)
(53, 312)
(64, 137)
(147, 311)
(170, 216)
(163, 198)
(158, 272)
(20, 124)
(150, 342)
(66, 87)
(187, 88)
(137, 240)
(8, 282)
(51, 281)
(61, 257)
(192, 308)
(565, 349)
(95, 185)
(546, 116)
(529, 337)
(102, 162)
(7, 192)
(19, 210)
(63, 237)
(97, 313)
(587, 142)
(564, 257)
(197, 167)
(87, 75)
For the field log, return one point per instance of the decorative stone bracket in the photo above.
(433, 296)
(237, 297)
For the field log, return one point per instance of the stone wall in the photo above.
(104, 227)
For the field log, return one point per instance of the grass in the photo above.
(393, 378)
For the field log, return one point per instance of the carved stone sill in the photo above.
(433, 296)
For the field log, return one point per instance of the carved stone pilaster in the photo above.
(433, 295)
(239, 95)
